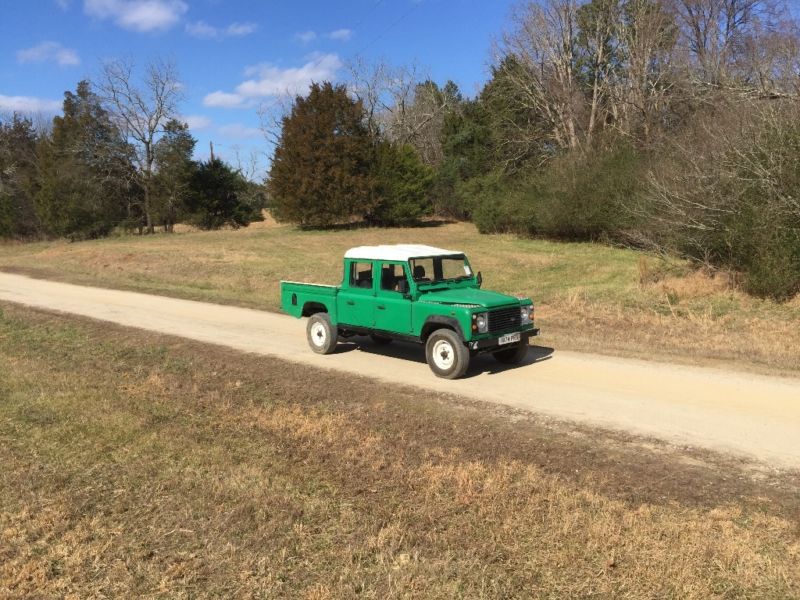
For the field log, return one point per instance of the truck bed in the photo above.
(295, 295)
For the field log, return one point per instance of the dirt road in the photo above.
(749, 415)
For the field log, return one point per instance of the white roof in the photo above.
(399, 252)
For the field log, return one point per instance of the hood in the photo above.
(470, 295)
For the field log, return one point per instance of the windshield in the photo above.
(440, 268)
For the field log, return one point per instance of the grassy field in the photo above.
(590, 296)
(143, 466)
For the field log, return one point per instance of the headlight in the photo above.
(480, 323)
(527, 314)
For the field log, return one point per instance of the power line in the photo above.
(391, 26)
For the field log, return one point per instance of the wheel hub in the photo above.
(318, 334)
(443, 355)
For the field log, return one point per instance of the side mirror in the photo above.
(479, 279)
(402, 286)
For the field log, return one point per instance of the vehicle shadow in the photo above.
(483, 363)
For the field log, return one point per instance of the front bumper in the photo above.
(490, 344)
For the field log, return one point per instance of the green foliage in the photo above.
(19, 180)
(467, 150)
(86, 171)
(403, 185)
(217, 197)
(588, 196)
(174, 170)
(493, 203)
(321, 172)
(578, 197)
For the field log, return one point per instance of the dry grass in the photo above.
(142, 466)
(590, 297)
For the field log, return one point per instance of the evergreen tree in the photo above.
(19, 181)
(86, 170)
(218, 197)
(403, 185)
(174, 170)
(321, 172)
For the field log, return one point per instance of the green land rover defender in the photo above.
(418, 294)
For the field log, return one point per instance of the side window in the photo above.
(391, 275)
(361, 275)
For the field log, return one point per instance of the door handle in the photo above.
(350, 302)
(381, 307)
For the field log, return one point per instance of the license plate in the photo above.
(509, 339)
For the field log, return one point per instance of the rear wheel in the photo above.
(321, 334)
(512, 356)
(446, 354)
(380, 340)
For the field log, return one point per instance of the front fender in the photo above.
(434, 322)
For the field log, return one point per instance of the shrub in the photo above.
(735, 204)
(575, 196)
(588, 196)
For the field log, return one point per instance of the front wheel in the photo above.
(321, 334)
(446, 354)
(512, 356)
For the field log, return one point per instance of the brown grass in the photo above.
(589, 297)
(143, 466)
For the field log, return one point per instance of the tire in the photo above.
(447, 356)
(512, 356)
(380, 340)
(322, 336)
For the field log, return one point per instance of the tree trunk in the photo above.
(148, 179)
(148, 220)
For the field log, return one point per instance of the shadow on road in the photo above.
(483, 363)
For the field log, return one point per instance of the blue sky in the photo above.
(234, 55)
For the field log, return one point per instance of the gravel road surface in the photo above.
(753, 416)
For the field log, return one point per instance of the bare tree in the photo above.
(542, 45)
(640, 92)
(715, 32)
(403, 104)
(251, 166)
(271, 115)
(142, 109)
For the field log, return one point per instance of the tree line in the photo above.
(669, 125)
(118, 157)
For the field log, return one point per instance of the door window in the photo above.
(361, 275)
(391, 275)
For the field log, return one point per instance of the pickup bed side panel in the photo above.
(295, 297)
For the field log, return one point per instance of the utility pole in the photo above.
(211, 145)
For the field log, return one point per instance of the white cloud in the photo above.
(201, 29)
(197, 121)
(223, 100)
(341, 35)
(306, 36)
(138, 15)
(49, 51)
(28, 104)
(240, 29)
(268, 80)
(239, 131)
(63, 4)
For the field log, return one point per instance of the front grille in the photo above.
(503, 319)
